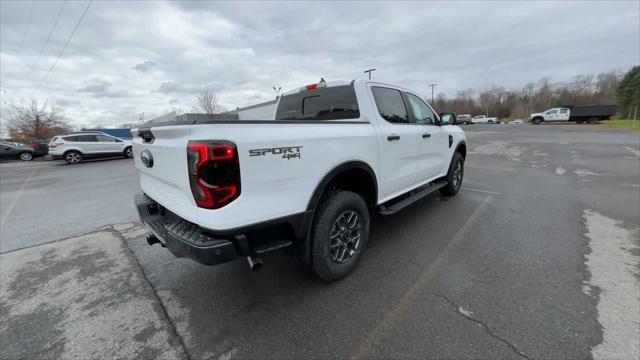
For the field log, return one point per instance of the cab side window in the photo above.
(421, 111)
(104, 138)
(563, 111)
(390, 105)
(552, 112)
(86, 138)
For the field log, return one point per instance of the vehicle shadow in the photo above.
(230, 306)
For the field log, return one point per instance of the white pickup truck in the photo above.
(215, 190)
(483, 119)
(580, 114)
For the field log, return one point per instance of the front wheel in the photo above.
(25, 156)
(340, 235)
(536, 121)
(490, 121)
(454, 176)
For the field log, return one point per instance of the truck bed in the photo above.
(593, 111)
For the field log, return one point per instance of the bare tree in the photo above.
(208, 102)
(36, 120)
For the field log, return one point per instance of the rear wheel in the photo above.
(128, 152)
(592, 120)
(25, 156)
(490, 121)
(580, 121)
(73, 157)
(340, 235)
(454, 176)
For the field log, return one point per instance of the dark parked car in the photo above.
(13, 151)
(40, 147)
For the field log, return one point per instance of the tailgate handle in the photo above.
(393, 137)
(426, 135)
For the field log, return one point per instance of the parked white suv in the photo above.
(73, 148)
(215, 190)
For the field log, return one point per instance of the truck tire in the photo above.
(536, 121)
(454, 176)
(593, 120)
(340, 235)
(580, 121)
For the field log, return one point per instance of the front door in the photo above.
(433, 140)
(107, 144)
(399, 140)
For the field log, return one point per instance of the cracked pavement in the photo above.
(526, 262)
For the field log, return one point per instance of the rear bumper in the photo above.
(182, 238)
(209, 247)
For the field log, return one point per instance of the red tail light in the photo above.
(34, 146)
(53, 145)
(214, 173)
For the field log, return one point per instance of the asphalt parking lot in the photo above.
(537, 257)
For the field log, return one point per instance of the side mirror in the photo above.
(447, 118)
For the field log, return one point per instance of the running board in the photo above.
(397, 206)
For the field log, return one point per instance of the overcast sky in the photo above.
(131, 57)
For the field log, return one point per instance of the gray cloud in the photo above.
(175, 87)
(242, 49)
(103, 90)
(96, 88)
(145, 66)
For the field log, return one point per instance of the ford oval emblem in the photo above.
(147, 158)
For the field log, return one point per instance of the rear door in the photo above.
(88, 143)
(563, 115)
(399, 138)
(432, 140)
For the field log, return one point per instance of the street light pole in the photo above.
(432, 86)
(369, 71)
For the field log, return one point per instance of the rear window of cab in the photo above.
(332, 103)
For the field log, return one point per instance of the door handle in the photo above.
(393, 137)
(426, 135)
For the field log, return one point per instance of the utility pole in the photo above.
(369, 71)
(432, 86)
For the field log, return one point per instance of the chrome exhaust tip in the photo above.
(254, 263)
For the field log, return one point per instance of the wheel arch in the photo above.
(462, 149)
(356, 176)
(72, 149)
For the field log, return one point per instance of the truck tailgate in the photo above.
(166, 179)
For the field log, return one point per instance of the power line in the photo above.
(26, 28)
(67, 43)
(48, 38)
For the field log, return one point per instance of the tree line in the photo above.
(606, 88)
(35, 119)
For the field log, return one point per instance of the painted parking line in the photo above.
(481, 191)
(16, 198)
(410, 296)
(490, 168)
(633, 151)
